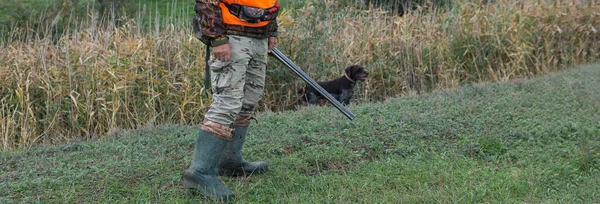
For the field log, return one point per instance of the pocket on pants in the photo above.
(218, 65)
(221, 76)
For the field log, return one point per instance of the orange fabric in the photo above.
(230, 19)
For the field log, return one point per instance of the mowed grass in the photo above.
(527, 141)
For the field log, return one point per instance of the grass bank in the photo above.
(92, 79)
(532, 141)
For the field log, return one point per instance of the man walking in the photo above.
(241, 33)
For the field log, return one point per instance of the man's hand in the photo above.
(272, 43)
(222, 52)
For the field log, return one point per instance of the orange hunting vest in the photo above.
(230, 19)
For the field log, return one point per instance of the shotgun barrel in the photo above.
(285, 60)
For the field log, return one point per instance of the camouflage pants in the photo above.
(238, 84)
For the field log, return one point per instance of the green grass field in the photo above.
(532, 141)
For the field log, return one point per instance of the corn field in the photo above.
(91, 80)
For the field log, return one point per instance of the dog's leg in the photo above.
(346, 96)
(336, 96)
(312, 98)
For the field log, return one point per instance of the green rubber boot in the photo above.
(201, 175)
(232, 163)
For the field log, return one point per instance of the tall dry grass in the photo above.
(93, 79)
(97, 77)
(431, 49)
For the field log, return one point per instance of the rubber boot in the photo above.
(201, 175)
(232, 163)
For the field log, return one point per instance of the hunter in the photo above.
(241, 34)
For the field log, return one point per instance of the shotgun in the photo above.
(287, 62)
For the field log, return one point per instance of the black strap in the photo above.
(269, 13)
(234, 9)
(207, 70)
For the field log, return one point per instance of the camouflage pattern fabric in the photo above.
(238, 84)
(211, 18)
(212, 26)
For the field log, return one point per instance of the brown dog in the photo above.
(342, 88)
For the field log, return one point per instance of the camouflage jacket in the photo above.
(212, 25)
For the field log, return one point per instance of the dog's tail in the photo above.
(302, 98)
(301, 91)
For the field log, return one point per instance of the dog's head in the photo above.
(357, 73)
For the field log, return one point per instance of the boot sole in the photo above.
(191, 185)
(241, 173)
